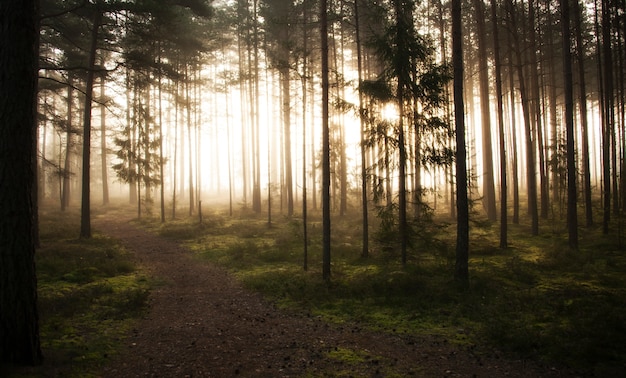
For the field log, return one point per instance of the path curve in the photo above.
(202, 323)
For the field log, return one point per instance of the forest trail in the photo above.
(202, 322)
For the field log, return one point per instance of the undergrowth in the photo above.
(536, 299)
(90, 294)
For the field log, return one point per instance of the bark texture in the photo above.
(19, 325)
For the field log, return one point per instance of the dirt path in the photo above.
(202, 322)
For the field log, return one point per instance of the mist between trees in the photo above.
(408, 114)
(177, 103)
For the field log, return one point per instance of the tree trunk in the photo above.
(402, 25)
(189, 140)
(286, 109)
(103, 141)
(161, 160)
(514, 170)
(500, 114)
(461, 271)
(552, 105)
(449, 171)
(19, 321)
(530, 152)
(489, 194)
(65, 199)
(608, 112)
(256, 157)
(583, 117)
(534, 103)
(325, 144)
(572, 217)
(364, 189)
(132, 182)
(85, 213)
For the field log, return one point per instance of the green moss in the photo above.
(349, 356)
(90, 295)
(536, 299)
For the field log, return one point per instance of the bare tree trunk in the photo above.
(19, 320)
(572, 217)
(85, 213)
(535, 112)
(449, 171)
(103, 141)
(132, 184)
(461, 271)
(514, 170)
(489, 194)
(500, 114)
(364, 186)
(583, 117)
(608, 112)
(161, 160)
(325, 144)
(552, 105)
(286, 108)
(530, 156)
(65, 199)
(189, 140)
(256, 157)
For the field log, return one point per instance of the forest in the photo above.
(417, 155)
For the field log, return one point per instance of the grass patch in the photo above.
(535, 300)
(90, 295)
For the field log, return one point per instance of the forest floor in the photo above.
(202, 322)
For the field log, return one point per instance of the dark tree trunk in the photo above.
(572, 217)
(514, 170)
(161, 160)
(364, 210)
(530, 152)
(608, 112)
(255, 116)
(583, 117)
(401, 26)
(189, 140)
(325, 144)
(19, 321)
(534, 103)
(85, 212)
(103, 142)
(461, 271)
(449, 172)
(65, 197)
(500, 114)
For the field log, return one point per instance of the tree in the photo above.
(535, 112)
(85, 212)
(361, 112)
(489, 194)
(461, 272)
(402, 73)
(280, 42)
(19, 323)
(609, 115)
(500, 114)
(531, 176)
(413, 83)
(103, 138)
(586, 171)
(325, 144)
(572, 217)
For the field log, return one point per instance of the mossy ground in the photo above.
(536, 299)
(90, 295)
